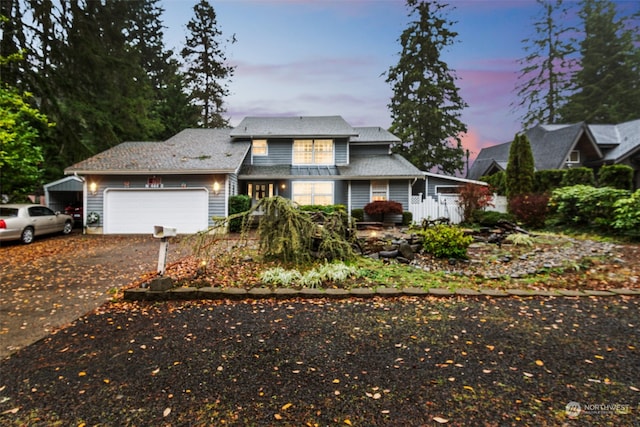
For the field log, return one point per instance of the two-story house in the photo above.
(187, 180)
(565, 146)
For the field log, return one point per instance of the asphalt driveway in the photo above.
(56, 279)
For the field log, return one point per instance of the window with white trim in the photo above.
(312, 193)
(259, 147)
(574, 157)
(379, 190)
(313, 152)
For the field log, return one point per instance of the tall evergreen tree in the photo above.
(520, 167)
(426, 106)
(607, 82)
(544, 78)
(171, 102)
(206, 62)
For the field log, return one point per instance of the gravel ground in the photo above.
(405, 361)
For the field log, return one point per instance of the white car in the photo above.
(25, 221)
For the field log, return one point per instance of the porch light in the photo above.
(93, 188)
(216, 188)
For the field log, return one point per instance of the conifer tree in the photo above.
(207, 69)
(426, 105)
(544, 79)
(520, 167)
(607, 83)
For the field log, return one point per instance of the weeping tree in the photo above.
(287, 233)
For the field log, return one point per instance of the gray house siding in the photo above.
(341, 151)
(279, 152)
(399, 192)
(360, 194)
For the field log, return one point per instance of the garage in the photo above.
(136, 211)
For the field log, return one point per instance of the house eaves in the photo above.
(454, 178)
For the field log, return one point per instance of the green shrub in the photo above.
(489, 218)
(357, 214)
(530, 209)
(238, 204)
(578, 176)
(616, 176)
(445, 241)
(545, 181)
(627, 214)
(323, 208)
(585, 205)
(407, 218)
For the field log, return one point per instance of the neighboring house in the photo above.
(566, 146)
(186, 180)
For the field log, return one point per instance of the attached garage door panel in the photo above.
(137, 211)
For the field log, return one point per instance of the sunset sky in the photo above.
(327, 57)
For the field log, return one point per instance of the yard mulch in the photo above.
(400, 361)
(357, 361)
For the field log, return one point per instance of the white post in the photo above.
(162, 256)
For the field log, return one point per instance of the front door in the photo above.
(259, 190)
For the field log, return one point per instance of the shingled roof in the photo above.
(192, 151)
(292, 127)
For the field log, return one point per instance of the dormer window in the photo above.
(259, 147)
(313, 152)
(574, 157)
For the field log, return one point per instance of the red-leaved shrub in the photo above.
(382, 207)
(530, 209)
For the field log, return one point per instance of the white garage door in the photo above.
(137, 211)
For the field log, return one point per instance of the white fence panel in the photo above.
(446, 206)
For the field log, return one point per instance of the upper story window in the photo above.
(574, 157)
(379, 191)
(259, 147)
(313, 152)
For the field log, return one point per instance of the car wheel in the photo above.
(27, 235)
(68, 227)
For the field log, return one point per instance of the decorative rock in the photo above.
(441, 292)
(414, 291)
(388, 291)
(161, 284)
(467, 292)
(135, 294)
(388, 254)
(311, 292)
(362, 292)
(596, 293)
(286, 292)
(570, 293)
(625, 291)
(234, 292)
(209, 292)
(259, 292)
(406, 251)
(493, 292)
(520, 292)
(337, 293)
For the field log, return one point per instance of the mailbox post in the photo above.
(163, 233)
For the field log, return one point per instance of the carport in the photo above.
(64, 192)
